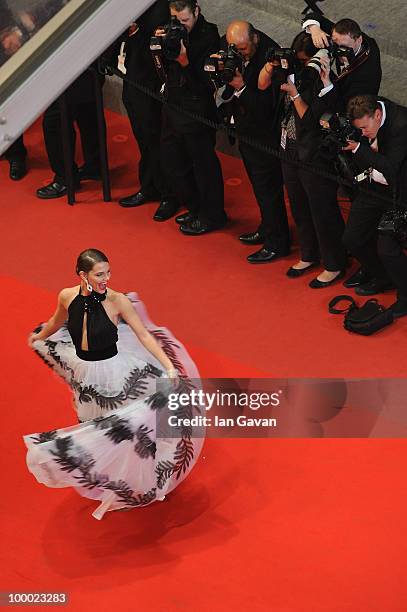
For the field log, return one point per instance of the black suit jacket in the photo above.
(365, 79)
(190, 88)
(392, 149)
(255, 112)
(139, 61)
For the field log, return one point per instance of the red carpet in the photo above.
(260, 524)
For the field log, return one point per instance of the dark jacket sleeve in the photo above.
(196, 79)
(325, 24)
(6, 16)
(258, 102)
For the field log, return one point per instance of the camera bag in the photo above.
(364, 320)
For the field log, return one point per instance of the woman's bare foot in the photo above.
(302, 265)
(326, 276)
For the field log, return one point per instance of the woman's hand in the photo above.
(32, 338)
(325, 71)
(319, 37)
(172, 374)
(289, 88)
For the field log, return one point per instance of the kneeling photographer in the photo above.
(255, 118)
(187, 144)
(313, 197)
(380, 158)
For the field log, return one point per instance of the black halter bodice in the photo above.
(101, 331)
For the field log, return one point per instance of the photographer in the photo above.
(354, 55)
(313, 197)
(380, 158)
(255, 117)
(144, 111)
(187, 144)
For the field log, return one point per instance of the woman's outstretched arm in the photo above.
(55, 322)
(128, 313)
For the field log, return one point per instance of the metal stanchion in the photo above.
(104, 164)
(67, 150)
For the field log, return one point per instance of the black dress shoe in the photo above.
(185, 218)
(251, 238)
(198, 227)
(297, 272)
(18, 169)
(53, 190)
(265, 255)
(317, 284)
(360, 277)
(88, 174)
(136, 199)
(166, 210)
(399, 309)
(373, 287)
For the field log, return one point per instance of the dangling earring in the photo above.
(88, 286)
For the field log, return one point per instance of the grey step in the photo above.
(282, 22)
(385, 22)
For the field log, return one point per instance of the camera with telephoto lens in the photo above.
(337, 131)
(222, 69)
(315, 62)
(169, 43)
(285, 57)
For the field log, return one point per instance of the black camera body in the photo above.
(222, 69)
(169, 43)
(285, 57)
(336, 51)
(337, 131)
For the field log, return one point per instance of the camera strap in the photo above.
(359, 60)
(159, 66)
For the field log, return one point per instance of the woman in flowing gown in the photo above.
(103, 344)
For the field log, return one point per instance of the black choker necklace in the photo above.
(93, 299)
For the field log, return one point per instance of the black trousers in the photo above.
(361, 235)
(145, 118)
(17, 150)
(193, 169)
(264, 172)
(84, 115)
(317, 216)
(395, 262)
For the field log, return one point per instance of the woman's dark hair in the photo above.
(87, 259)
(303, 42)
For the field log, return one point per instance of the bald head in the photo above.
(238, 32)
(243, 35)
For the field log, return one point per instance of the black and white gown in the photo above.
(117, 454)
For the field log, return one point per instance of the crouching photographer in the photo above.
(380, 159)
(313, 197)
(187, 144)
(237, 67)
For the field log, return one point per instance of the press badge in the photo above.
(121, 58)
(283, 141)
(364, 175)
